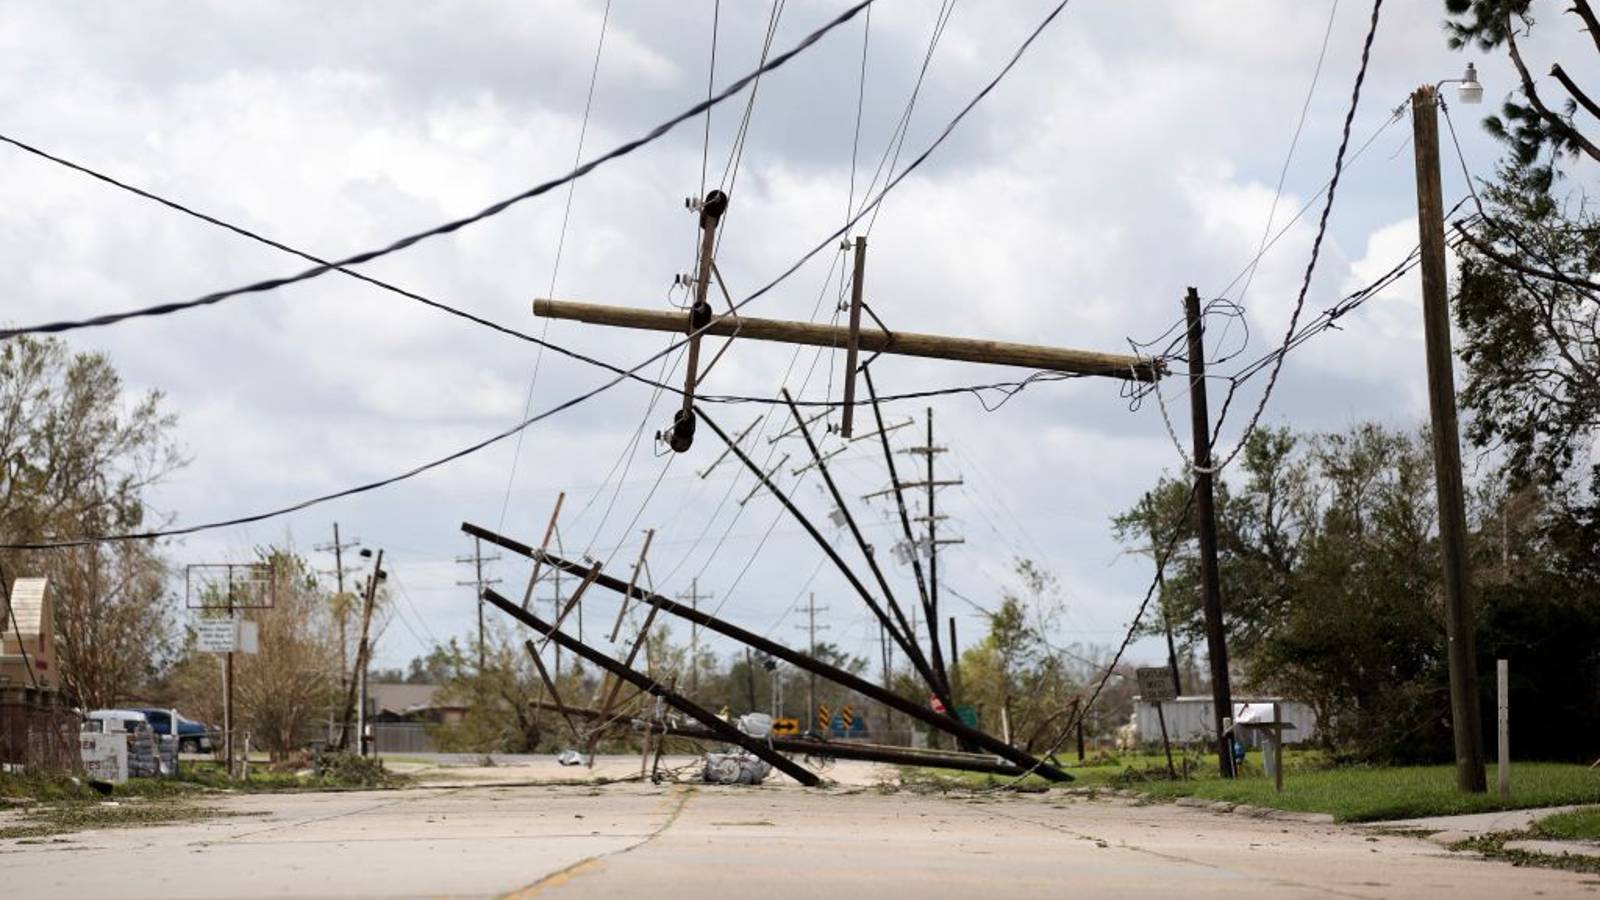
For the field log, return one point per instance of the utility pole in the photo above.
(693, 597)
(1465, 722)
(338, 547)
(229, 724)
(811, 628)
(478, 583)
(932, 485)
(358, 684)
(1206, 511)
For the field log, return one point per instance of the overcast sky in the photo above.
(1134, 152)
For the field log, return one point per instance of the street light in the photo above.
(1468, 90)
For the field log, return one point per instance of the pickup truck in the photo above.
(193, 737)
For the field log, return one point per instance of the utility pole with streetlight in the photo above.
(1465, 721)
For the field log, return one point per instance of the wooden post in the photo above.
(1503, 706)
(853, 344)
(1206, 511)
(1166, 742)
(872, 340)
(1464, 717)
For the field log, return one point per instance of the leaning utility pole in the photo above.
(694, 597)
(358, 683)
(811, 627)
(478, 583)
(1458, 617)
(1206, 513)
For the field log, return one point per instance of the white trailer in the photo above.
(1190, 720)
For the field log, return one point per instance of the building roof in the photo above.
(402, 698)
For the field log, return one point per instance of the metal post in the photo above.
(1277, 747)
(1464, 716)
(1206, 512)
(1503, 707)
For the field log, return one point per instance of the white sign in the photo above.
(1155, 684)
(227, 636)
(249, 637)
(217, 635)
(105, 756)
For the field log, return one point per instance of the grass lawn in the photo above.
(1369, 794)
(1578, 825)
(1349, 793)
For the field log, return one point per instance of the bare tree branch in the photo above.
(1577, 93)
(1532, 93)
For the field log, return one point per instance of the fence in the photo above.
(401, 737)
(38, 731)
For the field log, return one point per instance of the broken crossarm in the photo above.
(632, 580)
(797, 659)
(902, 343)
(716, 726)
(549, 530)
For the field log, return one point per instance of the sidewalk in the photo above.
(1450, 830)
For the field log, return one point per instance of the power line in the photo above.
(806, 257)
(1311, 264)
(555, 266)
(1283, 173)
(323, 267)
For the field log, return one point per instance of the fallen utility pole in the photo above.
(1465, 722)
(899, 343)
(947, 724)
(941, 687)
(1206, 513)
(716, 726)
(903, 756)
(907, 641)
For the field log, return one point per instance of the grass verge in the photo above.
(1312, 784)
(1577, 825)
(1373, 793)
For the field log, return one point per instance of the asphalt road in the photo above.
(678, 841)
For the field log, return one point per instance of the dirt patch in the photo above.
(49, 820)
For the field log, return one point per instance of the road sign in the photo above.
(785, 726)
(227, 636)
(1155, 684)
(968, 714)
(217, 635)
(823, 717)
(849, 717)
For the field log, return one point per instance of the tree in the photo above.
(290, 685)
(1530, 126)
(1528, 296)
(1014, 676)
(77, 456)
(1331, 594)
